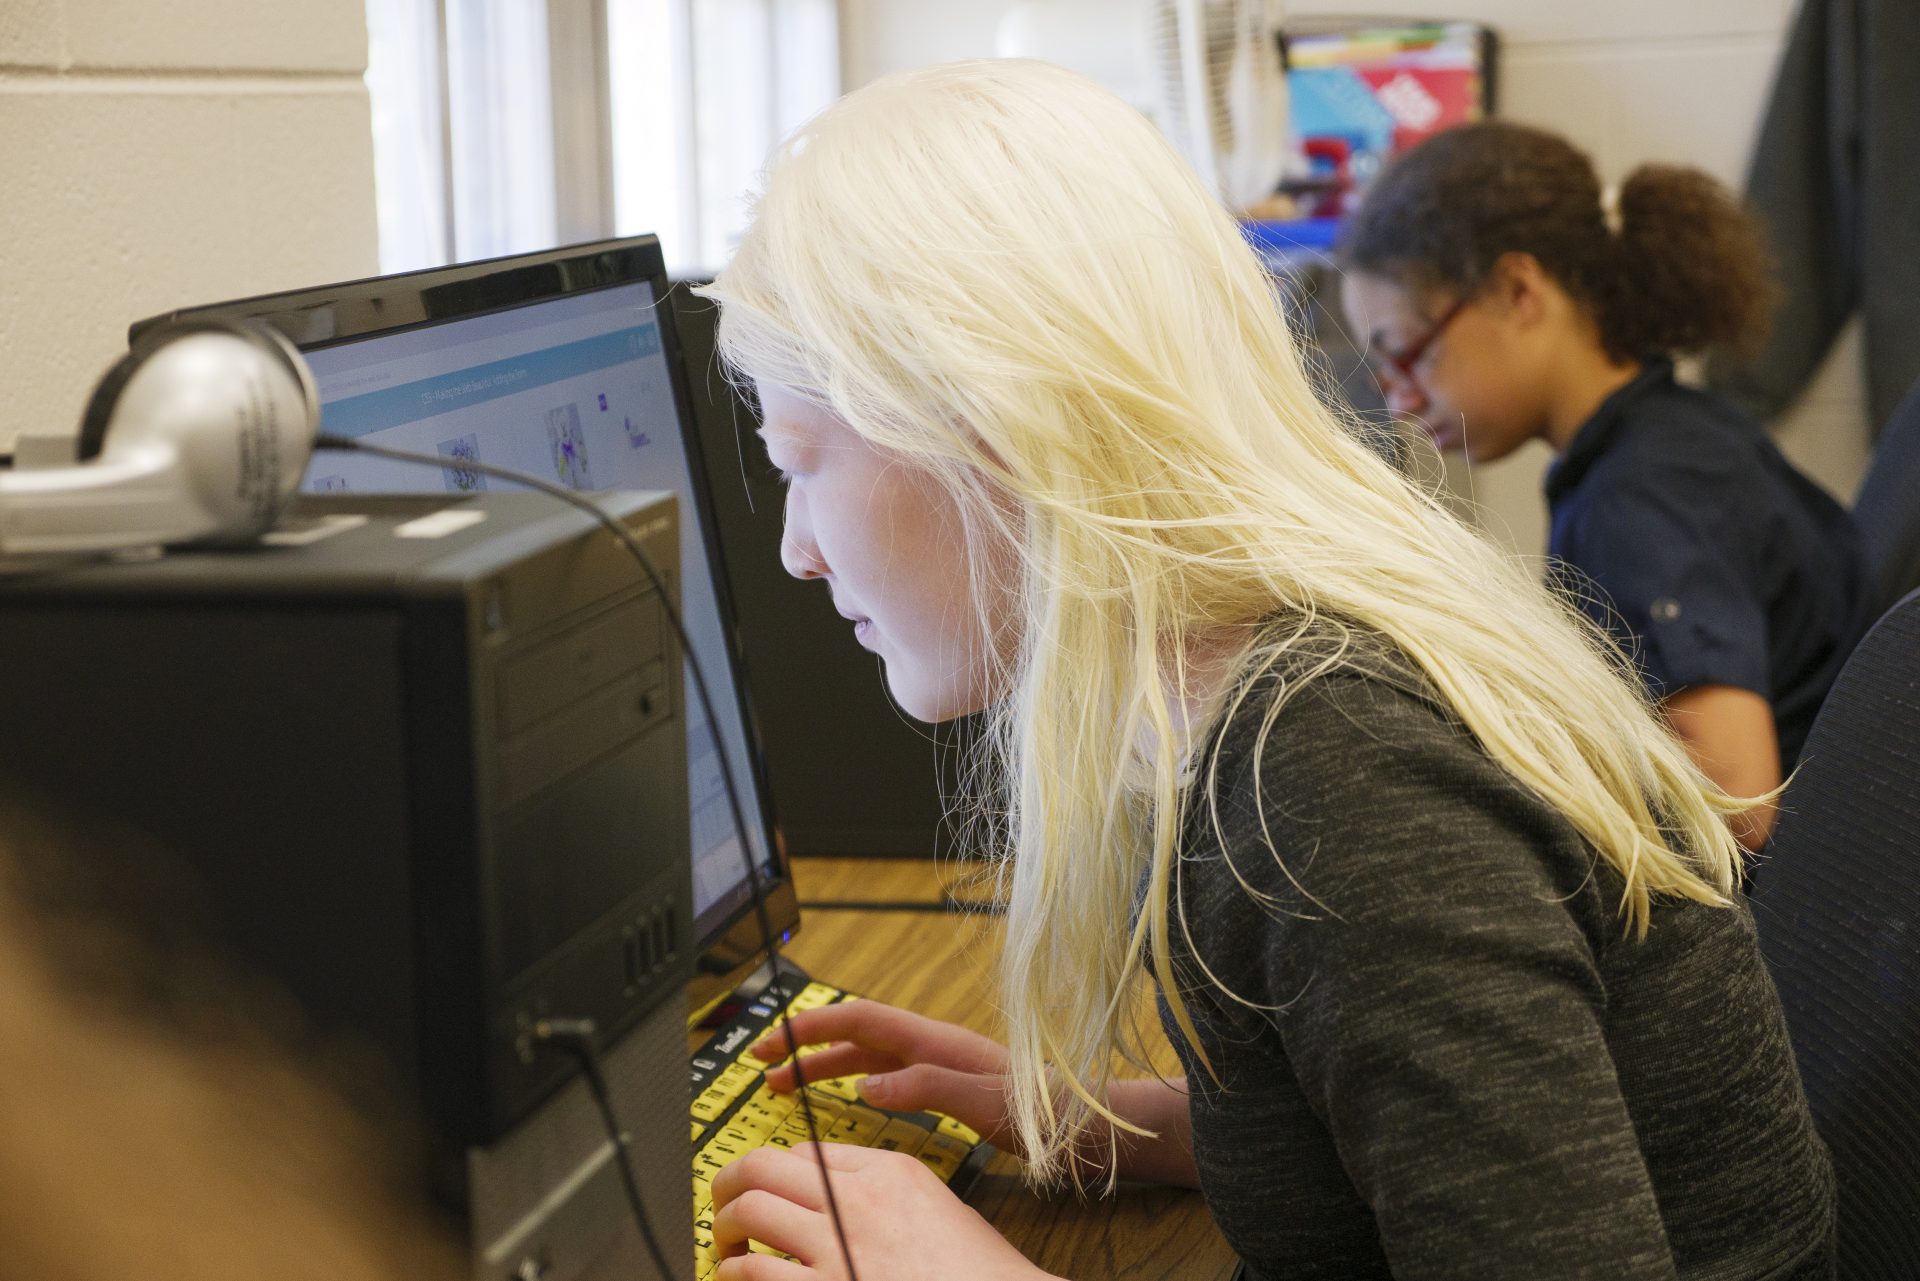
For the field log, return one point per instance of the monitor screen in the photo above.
(574, 388)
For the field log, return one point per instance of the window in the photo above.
(704, 90)
(409, 133)
(502, 126)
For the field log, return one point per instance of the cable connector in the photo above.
(570, 1033)
(581, 1039)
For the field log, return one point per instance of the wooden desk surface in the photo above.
(938, 963)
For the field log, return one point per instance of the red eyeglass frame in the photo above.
(1401, 362)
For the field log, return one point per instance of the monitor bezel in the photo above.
(322, 316)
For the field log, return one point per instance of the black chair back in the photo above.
(1887, 509)
(1838, 907)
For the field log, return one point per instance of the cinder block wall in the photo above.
(1671, 80)
(157, 153)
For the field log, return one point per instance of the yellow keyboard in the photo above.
(734, 1110)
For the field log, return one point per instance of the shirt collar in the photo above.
(1598, 432)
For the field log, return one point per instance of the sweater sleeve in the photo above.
(1431, 946)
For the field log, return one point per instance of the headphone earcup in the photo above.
(106, 393)
(199, 434)
(258, 458)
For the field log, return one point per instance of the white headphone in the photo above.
(199, 434)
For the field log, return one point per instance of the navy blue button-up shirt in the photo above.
(1681, 528)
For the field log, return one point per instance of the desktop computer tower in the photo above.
(425, 758)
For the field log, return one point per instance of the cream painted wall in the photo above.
(159, 153)
(1629, 81)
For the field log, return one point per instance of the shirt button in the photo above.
(1665, 610)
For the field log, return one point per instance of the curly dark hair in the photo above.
(1687, 270)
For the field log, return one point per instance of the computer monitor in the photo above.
(564, 364)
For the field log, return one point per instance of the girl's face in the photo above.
(889, 540)
(1458, 366)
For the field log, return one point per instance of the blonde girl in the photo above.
(1443, 923)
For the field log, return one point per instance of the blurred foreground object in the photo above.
(151, 1127)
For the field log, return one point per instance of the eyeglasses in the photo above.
(1399, 364)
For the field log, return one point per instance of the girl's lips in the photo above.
(1445, 436)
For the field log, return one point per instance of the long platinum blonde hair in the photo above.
(1001, 273)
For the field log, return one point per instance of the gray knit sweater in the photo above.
(1455, 1065)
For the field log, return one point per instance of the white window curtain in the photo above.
(502, 126)
(704, 90)
(404, 56)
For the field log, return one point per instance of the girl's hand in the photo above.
(902, 1222)
(913, 1063)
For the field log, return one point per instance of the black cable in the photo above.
(950, 905)
(580, 1038)
(348, 444)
